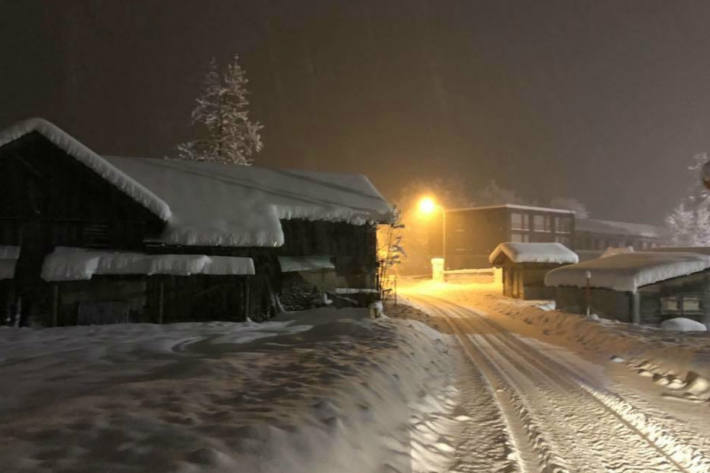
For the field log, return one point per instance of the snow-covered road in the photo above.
(471, 382)
(552, 410)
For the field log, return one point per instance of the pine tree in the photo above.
(222, 111)
(689, 222)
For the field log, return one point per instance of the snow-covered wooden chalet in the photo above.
(86, 238)
(525, 265)
(643, 287)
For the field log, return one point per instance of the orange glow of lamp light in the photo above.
(427, 206)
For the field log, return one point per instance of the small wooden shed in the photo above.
(643, 287)
(525, 265)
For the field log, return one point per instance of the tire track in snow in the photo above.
(565, 416)
(532, 449)
(680, 456)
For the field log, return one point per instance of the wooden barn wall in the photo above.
(353, 246)
(52, 199)
(604, 302)
(527, 280)
(694, 285)
(154, 299)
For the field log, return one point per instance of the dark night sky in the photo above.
(605, 101)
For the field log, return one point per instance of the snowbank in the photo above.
(534, 253)
(316, 392)
(681, 324)
(72, 264)
(628, 271)
(8, 260)
(90, 159)
(219, 204)
(290, 264)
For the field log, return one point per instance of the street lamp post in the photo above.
(427, 206)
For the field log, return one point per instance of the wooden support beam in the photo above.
(636, 308)
(161, 301)
(55, 305)
(246, 300)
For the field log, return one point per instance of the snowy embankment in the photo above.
(318, 391)
(677, 361)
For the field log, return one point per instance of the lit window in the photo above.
(539, 223)
(669, 304)
(691, 304)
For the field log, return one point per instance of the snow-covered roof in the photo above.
(214, 204)
(514, 206)
(628, 271)
(74, 264)
(223, 204)
(90, 159)
(8, 260)
(703, 250)
(611, 251)
(611, 227)
(226, 205)
(533, 253)
(291, 264)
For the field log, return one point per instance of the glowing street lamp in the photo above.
(427, 206)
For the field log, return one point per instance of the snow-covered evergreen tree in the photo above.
(689, 222)
(222, 113)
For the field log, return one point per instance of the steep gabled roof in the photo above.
(96, 163)
(553, 253)
(214, 204)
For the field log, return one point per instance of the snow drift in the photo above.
(316, 392)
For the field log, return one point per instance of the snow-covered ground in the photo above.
(457, 379)
(319, 391)
(656, 352)
(578, 394)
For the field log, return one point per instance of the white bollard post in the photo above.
(437, 269)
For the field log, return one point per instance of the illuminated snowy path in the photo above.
(552, 412)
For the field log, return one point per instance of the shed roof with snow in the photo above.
(214, 204)
(612, 227)
(76, 264)
(513, 207)
(550, 253)
(628, 271)
(226, 205)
